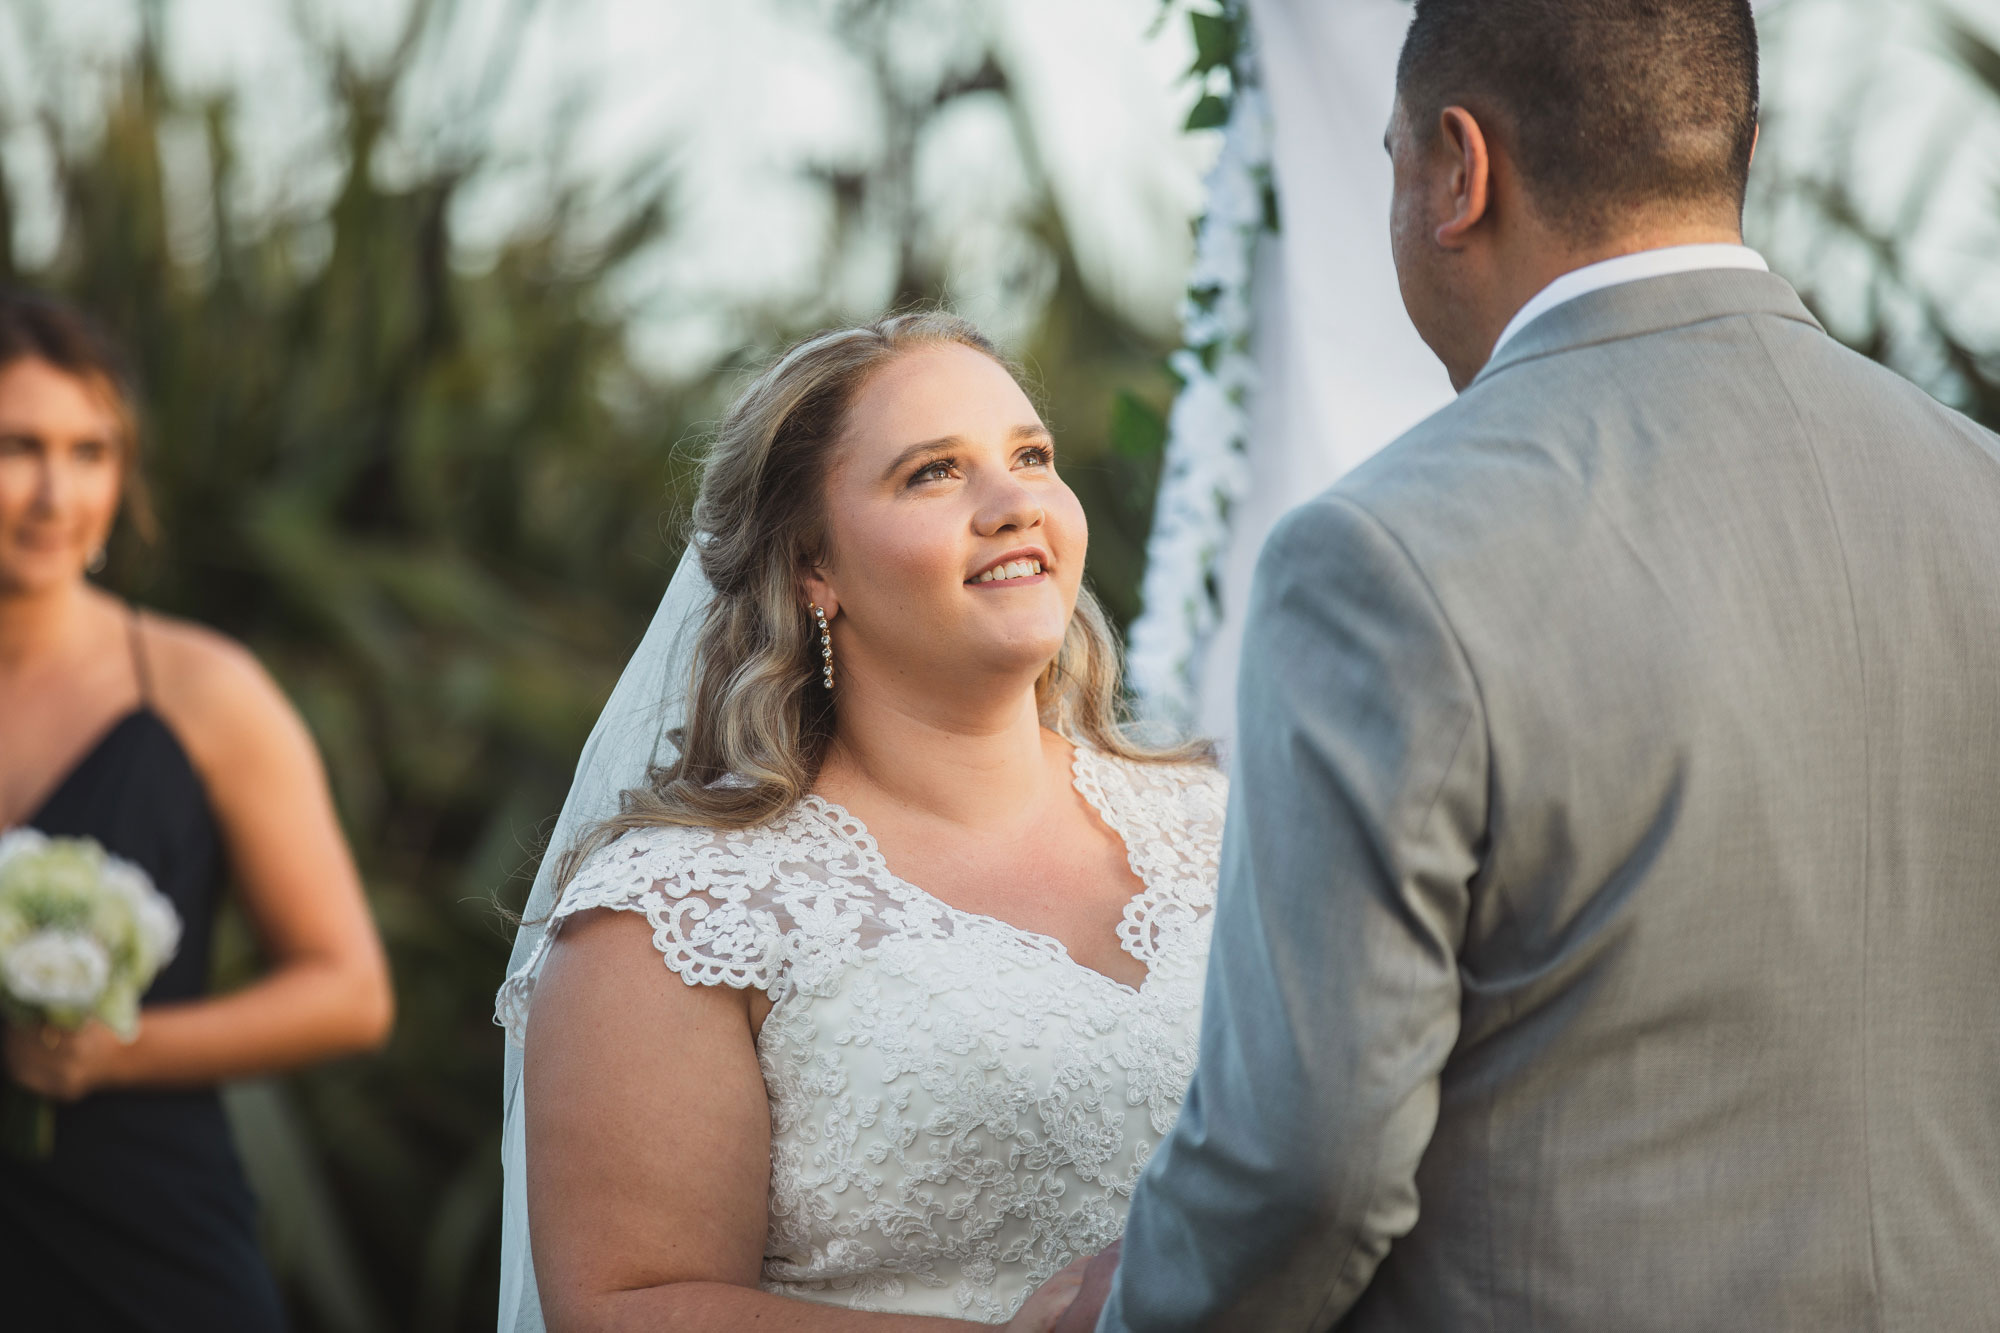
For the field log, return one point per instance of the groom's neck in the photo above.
(1530, 258)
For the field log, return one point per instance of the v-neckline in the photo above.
(851, 828)
(77, 766)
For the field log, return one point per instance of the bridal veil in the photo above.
(629, 738)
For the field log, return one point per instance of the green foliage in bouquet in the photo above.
(82, 933)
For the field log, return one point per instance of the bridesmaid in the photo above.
(167, 743)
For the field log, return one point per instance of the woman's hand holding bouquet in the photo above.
(82, 935)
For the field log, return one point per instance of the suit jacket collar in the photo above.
(1650, 305)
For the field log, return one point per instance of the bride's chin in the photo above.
(1012, 659)
(1028, 668)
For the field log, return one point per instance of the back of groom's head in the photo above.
(1608, 105)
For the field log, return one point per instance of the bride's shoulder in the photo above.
(682, 858)
(643, 850)
(1193, 779)
(720, 911)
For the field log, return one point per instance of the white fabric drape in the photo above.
(1341, 370)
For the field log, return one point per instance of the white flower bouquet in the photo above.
(82, 935)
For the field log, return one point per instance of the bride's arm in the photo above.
(649, 1149)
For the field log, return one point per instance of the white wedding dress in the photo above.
(958, 1107)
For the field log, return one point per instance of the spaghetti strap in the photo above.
(140, 667)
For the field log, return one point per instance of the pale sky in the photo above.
(732, 97)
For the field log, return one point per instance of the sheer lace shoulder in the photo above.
(1170, 817)
(728, 907)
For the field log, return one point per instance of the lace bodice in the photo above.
(958, 1107)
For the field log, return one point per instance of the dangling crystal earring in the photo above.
(95, 564)
(825, 645)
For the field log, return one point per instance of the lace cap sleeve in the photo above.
(714, 921)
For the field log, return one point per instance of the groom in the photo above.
(1609, 930)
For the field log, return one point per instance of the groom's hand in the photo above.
(1081, 1317)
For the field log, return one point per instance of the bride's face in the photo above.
(955, 551)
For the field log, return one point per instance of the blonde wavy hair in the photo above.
(758, 719)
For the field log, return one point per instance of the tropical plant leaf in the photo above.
(305, 1234)
(1210, 113)
(1216, 41)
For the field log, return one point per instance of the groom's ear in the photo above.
(1468, 171)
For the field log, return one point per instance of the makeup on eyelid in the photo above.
(1044, 456)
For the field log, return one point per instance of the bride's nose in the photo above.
(1008, 507)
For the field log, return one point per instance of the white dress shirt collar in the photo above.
(1628, 268)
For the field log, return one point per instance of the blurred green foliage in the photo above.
(1220, 34)
(1856, 235)
(440, 500)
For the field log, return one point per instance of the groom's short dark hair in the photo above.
(1608, 103)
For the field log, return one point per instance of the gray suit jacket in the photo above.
(1609, 930)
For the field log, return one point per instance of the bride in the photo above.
(933, 926)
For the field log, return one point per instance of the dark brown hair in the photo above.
(35, 326)
(1608, 104)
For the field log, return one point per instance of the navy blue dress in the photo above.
(142, 1219)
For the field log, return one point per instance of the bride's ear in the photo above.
(817, 590)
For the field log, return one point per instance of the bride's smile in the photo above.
(1014, 570)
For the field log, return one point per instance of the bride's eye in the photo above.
(936, 470)
(1039, 455)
